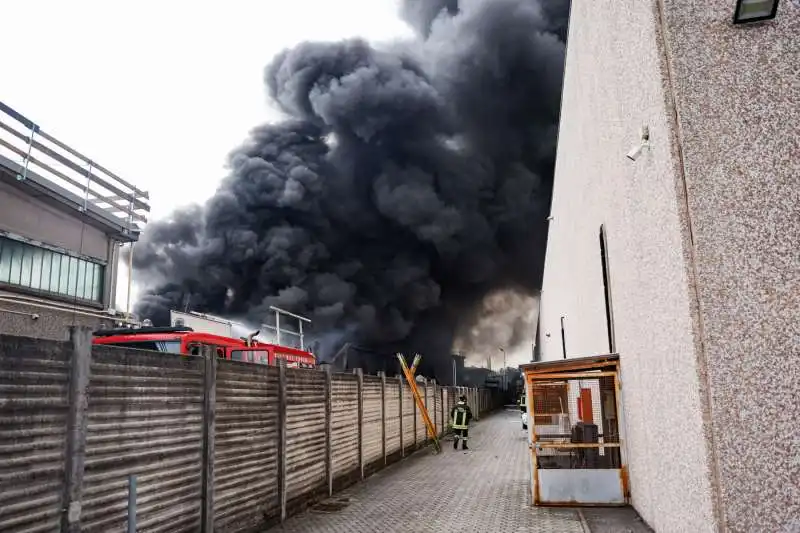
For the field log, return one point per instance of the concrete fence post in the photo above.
(328, 427)
(360, 375)
(435, 417)
(282, 437)
(424, 393)
(473, 393)
(414, 405)
(383, 415)
(400, 403)
(77, 420)
(443, 406)
(209, 433)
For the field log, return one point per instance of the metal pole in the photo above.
(24, 174)
(132, 503)
(88, 187)
(301, 334)
(130, 281)
(277, 328)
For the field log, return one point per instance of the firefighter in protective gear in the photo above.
(461, 415)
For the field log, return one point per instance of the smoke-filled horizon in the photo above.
(407, 184)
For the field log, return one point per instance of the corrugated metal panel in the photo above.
(408, 416)
(344, 423)
(392, 417)
(305, 432)
(34, 389)
(373, 421)
(246, 445)
(422, 431)
(145, 418)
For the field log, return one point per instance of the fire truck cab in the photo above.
(184, 340)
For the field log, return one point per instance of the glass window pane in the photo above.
(55, 272)
(16, 263)
(81, 281)
(99, 273)
(87, 283)
(47, 258)
(5, 260)
(72, 288)
(27, 266)
(36, 268)
(63, 280)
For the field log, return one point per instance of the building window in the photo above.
(31, 267)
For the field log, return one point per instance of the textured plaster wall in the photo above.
(738, 95)
(613, 85)
(52, 322)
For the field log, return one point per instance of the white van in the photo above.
(523, 407)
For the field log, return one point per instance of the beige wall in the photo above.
(700, 456)
(738, 92)
(613, 87)
(24, 215)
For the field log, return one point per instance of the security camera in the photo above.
(637, 150)
(35, 316)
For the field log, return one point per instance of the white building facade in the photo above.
(685, 261)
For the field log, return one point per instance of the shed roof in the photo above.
(594, 362)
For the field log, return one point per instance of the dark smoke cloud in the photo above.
(405, 184)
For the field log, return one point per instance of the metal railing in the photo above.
(38, 156)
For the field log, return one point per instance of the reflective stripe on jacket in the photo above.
(461, 416)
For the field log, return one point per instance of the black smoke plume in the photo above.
(406, 183)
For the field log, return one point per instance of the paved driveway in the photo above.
(479, 491)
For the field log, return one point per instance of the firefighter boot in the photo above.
(455, 442)
(464, 445)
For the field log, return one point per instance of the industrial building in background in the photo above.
(63, 220)
(673, 242)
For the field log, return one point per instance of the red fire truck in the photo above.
(185, 340)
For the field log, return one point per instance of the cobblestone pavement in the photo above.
(482, 490)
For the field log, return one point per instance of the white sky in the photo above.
(159, 92)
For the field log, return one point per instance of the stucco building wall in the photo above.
(738, 95)
(702, 234)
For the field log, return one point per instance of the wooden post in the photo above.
(383, 415)
(209, 434)
(400, 402)
(282, 437)
(419, 401)
(77, 421)
(328, 427)
(360, 374)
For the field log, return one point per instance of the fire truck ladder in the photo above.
(409, 373)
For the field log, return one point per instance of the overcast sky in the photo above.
(160, 91)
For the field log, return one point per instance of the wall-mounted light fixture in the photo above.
(754, 11)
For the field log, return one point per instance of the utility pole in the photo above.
(505, 380)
